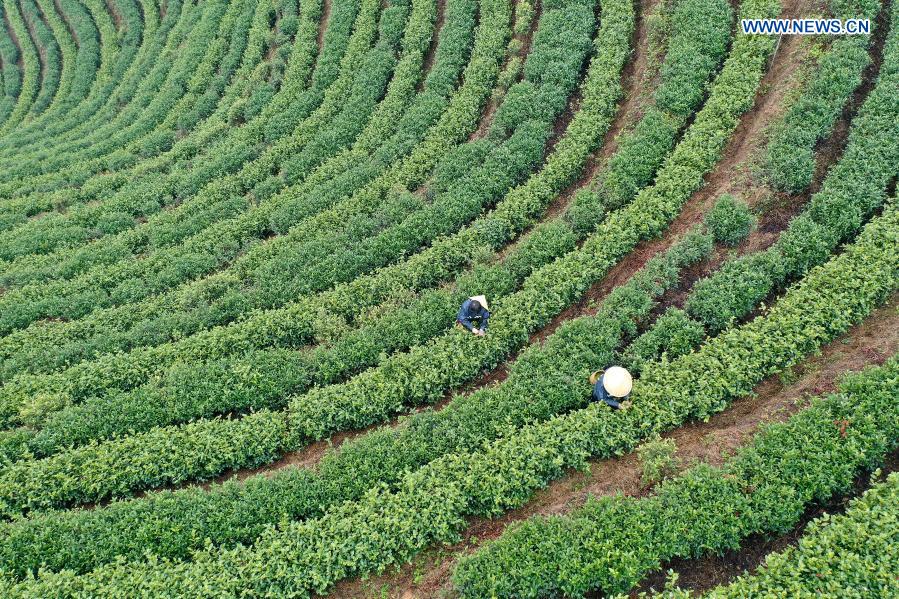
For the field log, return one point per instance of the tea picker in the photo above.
(473, 315)
(612, 386)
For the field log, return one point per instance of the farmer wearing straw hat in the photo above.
(473, 315)
(612, 386)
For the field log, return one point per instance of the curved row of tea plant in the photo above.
(790, 156)
(213, 86)
(853, 189)
(214, 45)
(581, 137)
(234, 198)
(611, 543)
(421, 374)
(463, 110)
(241, 143)
(188, 21)
(586, 120)
(379, 457)
(79, 45)
(49, 53)
(262, 378)
(431, 503)
(30, 81)
(11, 73)
(117, 52)
(128, 96)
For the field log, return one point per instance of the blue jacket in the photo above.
(467, 315)
(600, 394)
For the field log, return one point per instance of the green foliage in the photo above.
(657, 459)
(613, 542)
(730, 220)
(854, 188)
(851, 555)
(673, 334)
(699, 35)
(790, 158)
(558, 369)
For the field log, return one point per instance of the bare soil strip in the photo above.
(323, 24)
(432, 49)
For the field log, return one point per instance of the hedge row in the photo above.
(389, 527)
(790, 155)
(141, 190)
(506, 162)
(849, 555)
(54, 190)
(611, 543)
(30, 81)
(79, 45)
(591, 216)
(576, 144)
(51, 57)
(65, 49)
(12, 74)
(224, 197)
(558, 369)
(853, 189)
(117, 53)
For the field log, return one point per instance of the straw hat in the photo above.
(481, 300)
(617, 381)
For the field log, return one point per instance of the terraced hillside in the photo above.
(234, 238)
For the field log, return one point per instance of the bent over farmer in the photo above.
(612, 386)
(473, 315)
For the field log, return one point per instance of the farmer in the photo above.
(473, 315)
(612, 386)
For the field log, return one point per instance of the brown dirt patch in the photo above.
(323, 24)
(116, 15)
(65, 20)
(432, 49)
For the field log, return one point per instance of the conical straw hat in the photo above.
(617, 381)
(481, 300)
